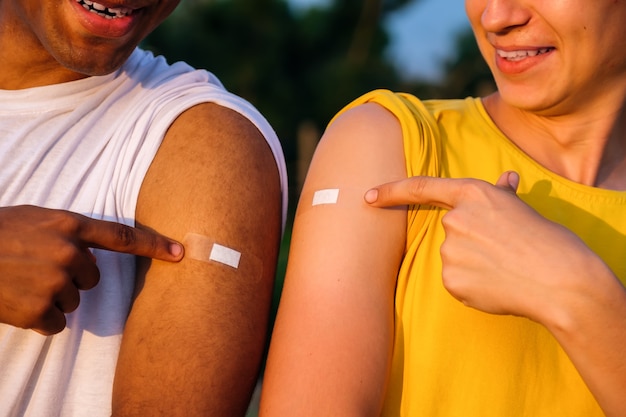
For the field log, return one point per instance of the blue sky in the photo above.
(422, 34)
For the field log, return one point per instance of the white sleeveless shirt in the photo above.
(85, 146)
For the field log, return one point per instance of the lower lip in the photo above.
(510, 67)
(100, 26)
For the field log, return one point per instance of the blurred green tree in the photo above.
(295, 67)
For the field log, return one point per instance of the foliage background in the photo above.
(303, 67)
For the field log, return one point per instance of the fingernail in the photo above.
(176, 249)
(371, 196)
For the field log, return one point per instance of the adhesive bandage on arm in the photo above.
(205, 249)
(327, 196)
(331, 198)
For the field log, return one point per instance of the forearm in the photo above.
(591, 328)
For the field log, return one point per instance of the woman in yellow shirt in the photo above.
(493, 282)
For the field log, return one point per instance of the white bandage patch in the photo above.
(328, 196)
(326, 201)
(224, 255)
(202, 248)
(230, 262)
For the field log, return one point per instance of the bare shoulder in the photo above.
(361, 146)
(209, 130)
(211, 156)
(367, 123)
(367, 115)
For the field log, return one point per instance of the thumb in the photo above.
(508, 181)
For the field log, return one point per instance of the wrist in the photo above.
(593, 292)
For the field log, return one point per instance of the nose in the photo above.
(504, 15)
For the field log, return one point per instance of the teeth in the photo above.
(104, 11)
(519, 55)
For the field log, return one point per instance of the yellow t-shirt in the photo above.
(454, 361)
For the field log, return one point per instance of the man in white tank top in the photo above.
(104, 151)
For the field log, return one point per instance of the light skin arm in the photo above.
(196, 334)
(331, 345)
(566, 287)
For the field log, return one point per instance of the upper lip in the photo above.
(509, 44)
(520, 48)
(510, 49)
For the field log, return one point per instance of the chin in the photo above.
(523, 97)
(93, 63)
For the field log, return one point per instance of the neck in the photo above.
(588, 147)
(18, 77)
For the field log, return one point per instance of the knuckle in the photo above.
(445, 256)
(67, 222)
(447, 220)
(473, 188)
(72, 304)
(451, 220)
(54, 284)
(66, 254)
(445, 253)
(417, 187)
(453, 286)
(87, 280)
(126, 235)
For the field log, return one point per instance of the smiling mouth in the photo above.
(103, 11)
(519, 55)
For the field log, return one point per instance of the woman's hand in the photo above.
(499, 256)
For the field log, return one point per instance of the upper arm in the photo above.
(195, 336)
(332, 341)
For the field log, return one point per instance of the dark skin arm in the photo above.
(194, 341)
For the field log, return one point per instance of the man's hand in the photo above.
(499, 256)
(45, 260)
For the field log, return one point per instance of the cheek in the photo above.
(474, 10)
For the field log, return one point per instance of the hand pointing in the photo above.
(45, 260)
(499, 255)
(439, 192)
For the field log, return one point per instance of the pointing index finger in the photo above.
(439, 192)
(126, 239)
